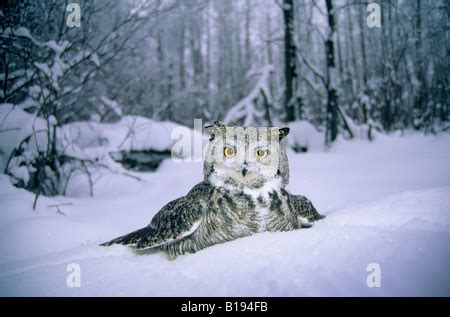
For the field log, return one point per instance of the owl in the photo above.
(244, 192)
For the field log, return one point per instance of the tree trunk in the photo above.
(418, 110)
(161, 69)
(181, 49)
(247, 35)
(362, 38)
(269, 50)
(332, 97)
(355, 84)
(340, 59)
(209, 111)
(386, 110)
(195, 48)
(290, 73)
(240, 65)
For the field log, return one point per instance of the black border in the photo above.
(151, 306)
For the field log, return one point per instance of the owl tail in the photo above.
(132, 238)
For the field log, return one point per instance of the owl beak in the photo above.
(244, 171)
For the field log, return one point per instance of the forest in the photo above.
(95, 95)
(347, 67)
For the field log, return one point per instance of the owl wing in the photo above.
(305, 210)
(176, 220)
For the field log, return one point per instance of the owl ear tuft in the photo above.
(283, 132)
(211, 131)
(215, 129)
(219, 124)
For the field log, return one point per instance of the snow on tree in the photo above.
(255, 107)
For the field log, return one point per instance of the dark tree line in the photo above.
(199, 56)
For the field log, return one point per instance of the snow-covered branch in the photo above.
(247, 108)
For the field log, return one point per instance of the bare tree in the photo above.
(332, 97)
(290, 73)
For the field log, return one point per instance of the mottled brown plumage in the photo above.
(236, 199)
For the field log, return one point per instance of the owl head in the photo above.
(245, 157)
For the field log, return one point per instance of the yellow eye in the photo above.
(229, 151)
(262, 154)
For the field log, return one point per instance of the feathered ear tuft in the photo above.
(283, 132)
(215, 129)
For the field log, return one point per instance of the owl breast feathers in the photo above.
(243, 192)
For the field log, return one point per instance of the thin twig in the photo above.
(59, 210)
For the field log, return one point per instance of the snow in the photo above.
(15, 126)
(95, 59)
(303, 134)
(129, 133)
(386, 201)
(20, 172)
(92, 141)
(113, 105)
(20, 32)
(58, 48)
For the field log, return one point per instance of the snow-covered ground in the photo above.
(387, 202)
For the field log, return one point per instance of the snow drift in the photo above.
(386, 202)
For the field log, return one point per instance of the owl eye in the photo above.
(229, 151)
(262, 153)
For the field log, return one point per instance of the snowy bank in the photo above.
(387, 202)
(133, 142)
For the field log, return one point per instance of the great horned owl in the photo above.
(243, 192)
